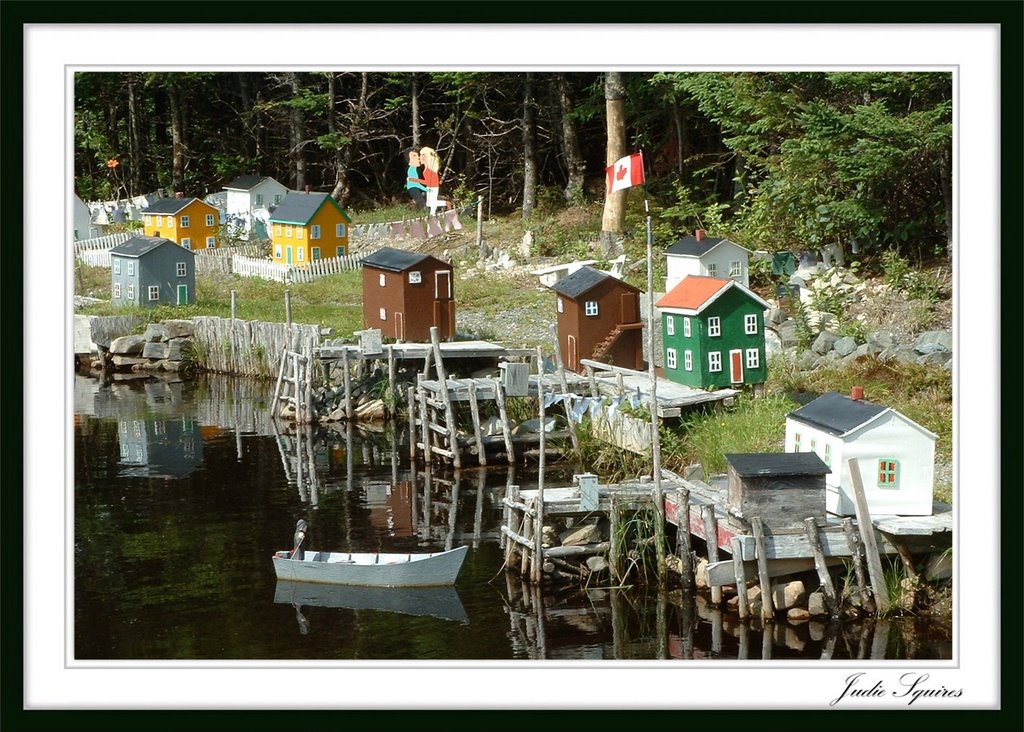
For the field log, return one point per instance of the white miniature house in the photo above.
(699, 254)
(895, 455)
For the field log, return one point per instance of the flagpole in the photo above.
(659, 500)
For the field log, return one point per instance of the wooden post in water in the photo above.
(428, 454)
(298, 388)
(685, 550)
(506, 430)
(659, 500)
(767, 608)
(560, 368)
(392, 386)
(711, 534)
(811, 529)
(411, 408)
(867, 533)
(474, 412)
(347, 374)
(275, 409)
(857, 555)
(615, 545)
(446, 397)
(538, 539)
(524, 567)
(741, 577)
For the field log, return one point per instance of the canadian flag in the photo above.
(626, 172)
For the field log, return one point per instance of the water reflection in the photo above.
(437, 602)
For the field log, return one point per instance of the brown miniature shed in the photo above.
(406, 293)
(782, 488)
(598, 317)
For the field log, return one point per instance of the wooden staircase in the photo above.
(294, 388)
(602, 348)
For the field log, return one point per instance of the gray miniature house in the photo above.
(148, 271)
(782, 488)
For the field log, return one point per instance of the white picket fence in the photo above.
(101, 243)
(252, 267)
(94, 257)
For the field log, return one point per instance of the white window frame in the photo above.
(796, 442)
(714, 326)
(277, 198)
(257, 199)
(211, 242)
(688, 360)
(314, 253)
(686, 327)
(130, 294)
(149, 220)
(383, 314)
(170, 222)
(185, 223)
(560, 305)
(753, 358)
(182, 269)
(339, 251)
(712, 269)
(828, 454)
(300, 254)
(160, 221)
(714, 362)
(154, 292)
(314, 231)
(186, 243)
(382, 281)
(670, 358)
(670, 325)
(750, 323)
(288, 231)
(117, 266)
(415, 277)
(117, 290)
(590, 308)
(300, 232)
(736, 269)
(277, 229)
(339, 231)
(131, 268)
(209, 220)
(278, 252)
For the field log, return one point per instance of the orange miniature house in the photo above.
(308, 226)
(189, 222)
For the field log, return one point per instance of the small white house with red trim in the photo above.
(705, 256)
(895, 455)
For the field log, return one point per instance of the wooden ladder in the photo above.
(294, 387)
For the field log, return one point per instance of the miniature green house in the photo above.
(713, 333)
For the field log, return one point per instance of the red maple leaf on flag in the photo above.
(620, 173)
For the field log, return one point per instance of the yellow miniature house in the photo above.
(308, 226)
(189, 222)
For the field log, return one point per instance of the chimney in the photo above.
(856, 393)
(699, 234)
(179, 194)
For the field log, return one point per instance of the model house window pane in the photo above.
(712, 270)
(277, 252)
(184, 222)
(688, 360)
(714, 326)
(277, 198)
(339, 252)
(154, 292)
(735, 269)
(753, 358)
(117, 266)
(670, 358)
(415, 278)
(382, 279)
(715, 361)
(750, 324)
(149, 220)
(828, 455)
(686, 327)
(186, 243)
(316, 253)
(888, 473)
(339, 230)
(211, 242)
(314, 231)
(277, 229)
(159, 220)
(182, 269)
(302, 253)
(170, 222)
(131, 268)
(670, 325)
(288, 232)
(383, 314)
(131, 292)
(117, 289)
(258, 199)
(591, 307)
(814, 445)
(209, 219)
(560, 305)
(300, 233)
(796, 442)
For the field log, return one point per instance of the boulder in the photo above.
(934, 340)
(700, 578)
(155, 332)
(155, 349)
(824, 342)
(845, 346)
(130, 345)
(694, 471)
(935, 358)
(128, 361)
(179, 328)
(788, 595)
(772, 343)
(939, 567)
(882, 339)
(597, 563)
(589, 533)
(798, 615)
(816, 603)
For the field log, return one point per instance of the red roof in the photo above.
(692, 292)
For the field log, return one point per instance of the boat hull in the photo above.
(372, 570)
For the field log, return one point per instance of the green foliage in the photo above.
(914, 283)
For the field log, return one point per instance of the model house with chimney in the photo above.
(895, 455)
(406, 293)
(308, 226)
(147, 271)
(713, 333)
(598, 318)
(189, 222)
(699, 254)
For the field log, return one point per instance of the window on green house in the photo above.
(670, 325)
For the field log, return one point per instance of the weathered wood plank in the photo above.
(867, 531)
(764, 579)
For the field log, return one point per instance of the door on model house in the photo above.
(443, 304)
(288, 255)
(183, 294)
(629, 308)
(736, 366)
(572, 353)
(400, 326)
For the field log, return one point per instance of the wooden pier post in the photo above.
(767, 607)
(506, 431)
(525, 569)
(560, 368)
(275, 409)
(411, 409)
(392, 386)
(811, 529)
(741, 577)
(659, 501)
(347, 374)
(298, 388)
(446, 397)
(857, 555)
(428, 454)
(538, 531)
(867, 533)
(478, 514)
(474, 411)
(685, 551)
(592, 380)
(711, 538)
(615, 544)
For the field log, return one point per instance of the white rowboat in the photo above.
(371, 570)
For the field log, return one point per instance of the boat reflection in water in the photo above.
(437, 602)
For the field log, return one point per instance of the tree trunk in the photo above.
(947, 201)
(332, 128)
(613, 221)
(680, 126)
(570, 143)
(297, 129)
(414, 95)
(134, 141)
(177, 148)
(529, 149)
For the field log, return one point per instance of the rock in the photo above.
(772, 343)
(816, 603)
(700, 577)
(882, 339)
(179, 328)
(939, 567)
(526, 247)
(754, 593)
(755, 606)
(788, 595)
(694, 471)
(824, 342)
(934, 340)
(128, 361)
(674, 564)
(808, 361)
(775, 316)
(548, 536)
(788, 334)
(797, 615)
(935, 358)
(130, 345)
(845, 346)
(155, 349)
(597, 563)
(588, 533)
(155, 332)
(816, 630)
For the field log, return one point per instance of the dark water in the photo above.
(183, 491)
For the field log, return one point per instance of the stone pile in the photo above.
(163, 347)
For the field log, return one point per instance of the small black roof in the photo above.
(139, 245)
(583, 280)
(393, 260)
(168, 205)
(689, 245)
(836, 413)
(753, 464)
(246, 182)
